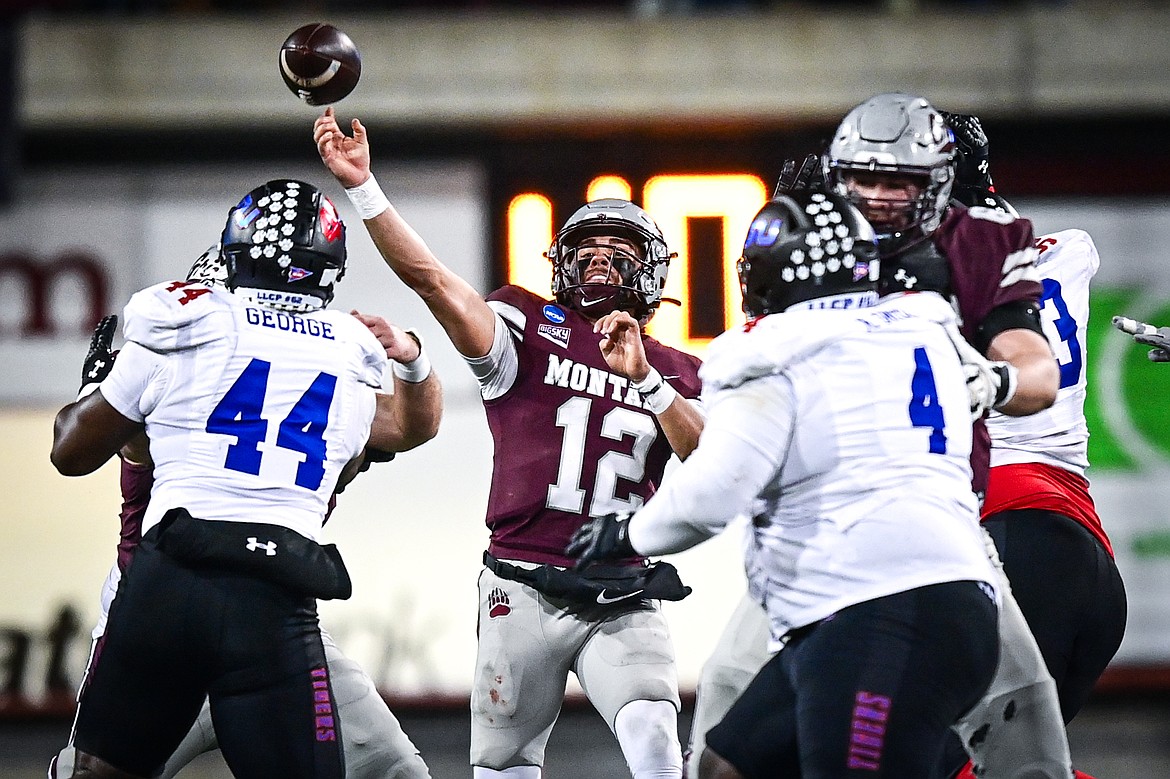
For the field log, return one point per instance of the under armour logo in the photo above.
(96, 369)
(269, 547)
(907, 280)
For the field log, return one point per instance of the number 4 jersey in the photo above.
(251, 413)
(846, 436)
(571, 437)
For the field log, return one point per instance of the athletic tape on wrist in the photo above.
(417, 370)
(1009, 379)
(368, 198)
(657, 394)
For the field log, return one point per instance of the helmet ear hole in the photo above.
(284, 244)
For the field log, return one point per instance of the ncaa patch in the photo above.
(558, 335)
(553, 314)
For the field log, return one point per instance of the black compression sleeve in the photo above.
(1016, 315)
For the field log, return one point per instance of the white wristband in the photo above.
(417, 370)
(368, 198)
(657, 394)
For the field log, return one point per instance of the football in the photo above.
(320, 63)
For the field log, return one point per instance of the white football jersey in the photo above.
(847, 437)
(1057, 435)
(251, 413)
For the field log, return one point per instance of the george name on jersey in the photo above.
(592, 381)
(278, 320)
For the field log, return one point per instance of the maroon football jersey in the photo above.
(571, 437)
(976, 250)
(136, 481)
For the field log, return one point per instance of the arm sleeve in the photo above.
(742, 449)
(130, 388)
(496, 371)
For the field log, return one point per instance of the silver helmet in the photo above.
(900, 135)
(642, 274)
(210, 268)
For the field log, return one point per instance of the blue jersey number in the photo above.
(239, 414)
(925, 410)
(1066, 329)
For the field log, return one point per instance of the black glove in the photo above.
(794, 177)
(1147, 335)
(602, 538)
(99, 361)
(369, 457)
(378, 455)
(972, 162)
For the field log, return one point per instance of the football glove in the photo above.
(972, 162)
(1148, 335)
(990, 384)
(99, 361)
(794, 177)
(602, 538)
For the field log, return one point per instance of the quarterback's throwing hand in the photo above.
(602, 538)
(346, 156)
(1157, 337)
(99, 361)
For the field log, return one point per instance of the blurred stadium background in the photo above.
(128, 128)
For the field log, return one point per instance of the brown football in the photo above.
(320, 63)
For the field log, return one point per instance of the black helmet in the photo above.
(285, 246)
(804, 246)
(642, 277)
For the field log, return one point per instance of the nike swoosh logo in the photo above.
(605, 600)
(586, 302)
(671, 377)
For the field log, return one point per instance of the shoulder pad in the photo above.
(1068, 243)
(515, 296)
(177, 315)
(770, 344)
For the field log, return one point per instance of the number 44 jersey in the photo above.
(251, 412)
(572, 439)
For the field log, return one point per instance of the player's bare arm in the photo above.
(621, 345)
(411, 415)
(87, 433)
(1039, 375)
(459, 308)
(136, 451)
